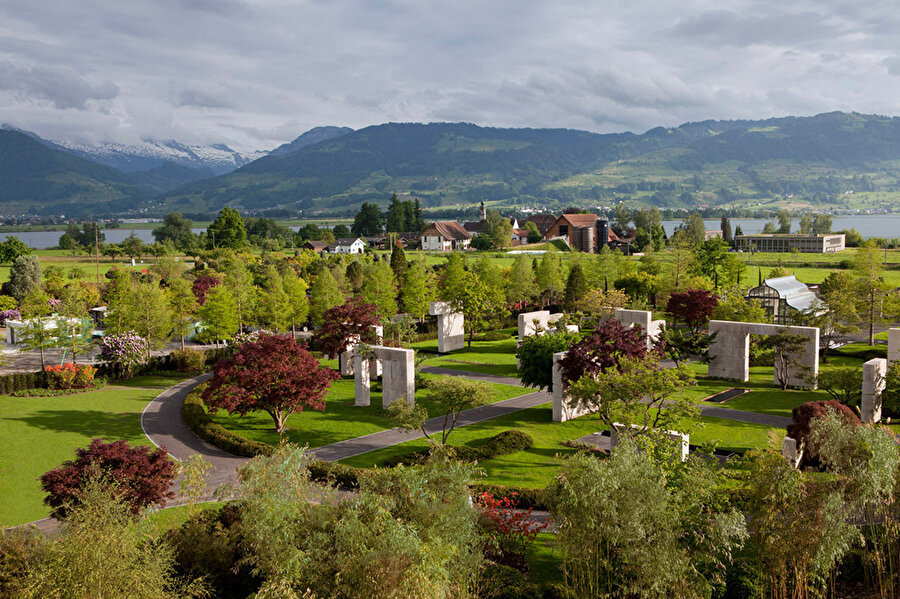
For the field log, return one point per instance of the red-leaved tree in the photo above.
(348, 323)
(601, 350)
(694, 307)
(274, 374)
(142, 476)
(803, 416)
(202, 285)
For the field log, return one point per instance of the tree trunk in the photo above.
(43, 365)
(182, 339)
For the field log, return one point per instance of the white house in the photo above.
(348, 245)
(445, 236)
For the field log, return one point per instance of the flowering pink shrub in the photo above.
(9, 315)
(128, 349)
(54, 303)
(70, 376)
(240, 339)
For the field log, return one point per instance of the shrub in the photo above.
(128, 350)
(503, 582)
(19, 552)
(803, 416)
(194, 414)
(511, 531)
(536, 357)
(22, 381)
(188, 360)
(208, 546)
(11, 314)
(339, 474)
(842, 384)
(7, 302)
(142, 477)
(493, 336)
(70, 376)
(240, 338)
(500, 444)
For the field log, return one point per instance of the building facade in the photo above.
(445, 236)
(808, 244)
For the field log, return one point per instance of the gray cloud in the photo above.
(256, 73)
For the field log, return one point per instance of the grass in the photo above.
(340, 421)
(544, 559)
(40, 433)
(536, 467)
(167, 519)
(497, 358)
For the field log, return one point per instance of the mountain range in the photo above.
(834, 160)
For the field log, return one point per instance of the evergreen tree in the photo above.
(784, 222)
(419, 221)
(323, 294)
(418, 289)
(738, 231)
(726, 231)
(368, 221)
(380, 290)
(298, 304)
(575, 288)
(227, 231)
(398, 263)
(354, 276)
(873, 293)
(395, 217)
(116, 296)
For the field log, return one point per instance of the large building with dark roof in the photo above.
(445, 236)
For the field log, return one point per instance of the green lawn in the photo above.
(38, 434)
(537, 466)
(487, 357)
(169, 518)
(340, 421)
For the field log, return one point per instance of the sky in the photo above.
(254, 74)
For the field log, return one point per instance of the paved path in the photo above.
(162, 423)
(478, 376)
(394, 436)
(742, 416)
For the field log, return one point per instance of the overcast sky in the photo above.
(253, 74)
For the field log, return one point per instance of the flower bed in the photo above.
(69, 376)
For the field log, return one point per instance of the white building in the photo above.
(347, 246)
(445, 236)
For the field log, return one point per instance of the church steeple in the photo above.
(483, 211)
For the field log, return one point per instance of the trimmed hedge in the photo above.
(193, 412)
(865, 352)
(500, 444)
(22, 381)
(339, 474)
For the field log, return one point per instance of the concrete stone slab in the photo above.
(791, 452)
(730, 351)
(893, 346)
(398, 378)
(562, 411)
(873, 382)
(530, 323)
(451, 327)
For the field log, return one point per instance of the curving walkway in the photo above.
(163, 426)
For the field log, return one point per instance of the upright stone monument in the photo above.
(346, 359)
(644, 319)
(874, 372)
(730, 351)
(562, 411)
(451, 327)
(398, 379)
(893, 346)
(791, 452)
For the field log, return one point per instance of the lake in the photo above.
(875, 225)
